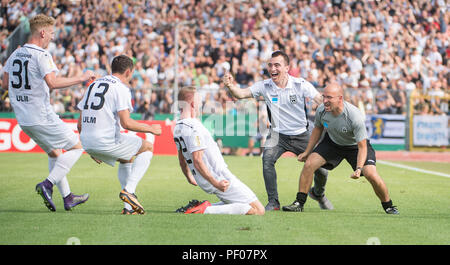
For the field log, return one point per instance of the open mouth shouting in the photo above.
(274, 75)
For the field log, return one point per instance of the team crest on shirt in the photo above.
(197, 140)
(293, 99)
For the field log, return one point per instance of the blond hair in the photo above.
(40, 21)
(186, 93)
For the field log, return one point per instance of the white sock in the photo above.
(123, 174)
(232, 208)
(63, 184)
(140, 166)
(63, 164)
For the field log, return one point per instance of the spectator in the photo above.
(384, 100)
(347, 41)
(399, 97)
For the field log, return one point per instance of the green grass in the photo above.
(432, 166)
(423, 201)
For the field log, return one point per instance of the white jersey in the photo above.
(29, 94)
(100, 123)
(286, 106)
(190, 135)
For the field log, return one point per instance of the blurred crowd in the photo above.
(378, 50)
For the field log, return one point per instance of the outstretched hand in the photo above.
(228, 79)
(89, 76)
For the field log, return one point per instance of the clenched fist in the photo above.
(156, 129)
(228, 79)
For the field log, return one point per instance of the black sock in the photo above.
(386, 204)
(301, 197)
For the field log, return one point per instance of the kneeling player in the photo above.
(202, 163)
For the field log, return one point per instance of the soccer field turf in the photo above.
(423, 201)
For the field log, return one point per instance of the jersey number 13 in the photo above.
(100, 95)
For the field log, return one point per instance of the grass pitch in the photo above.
(423, 201)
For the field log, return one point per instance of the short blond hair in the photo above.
(187, 93)
(40, 21)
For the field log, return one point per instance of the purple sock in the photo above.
(68, 197)
(48, 184)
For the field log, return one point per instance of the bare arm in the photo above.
(197, 158)
(313, 139)
(129, 124)
(55, 82)
(79, 123)
(239, 93)
(361, 158)
(318, 99)
(5, 81)
(185, 168)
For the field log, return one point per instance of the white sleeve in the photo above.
(7, 65)
(310, 90)
(123, 99)
(46, 64)
(256, 89)
(194, 141)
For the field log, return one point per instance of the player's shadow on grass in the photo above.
(61, 211)
(381, 214)
(82, 211)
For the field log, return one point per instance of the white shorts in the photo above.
(237, 192)
(125, 149)
(53, 136)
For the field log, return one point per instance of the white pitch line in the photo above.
(414, 168)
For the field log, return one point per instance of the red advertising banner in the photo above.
(13, 139)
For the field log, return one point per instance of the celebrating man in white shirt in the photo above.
(286, 99)
(29, 75)
(202, 163)
(105, 106)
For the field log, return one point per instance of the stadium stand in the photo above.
(376, 49)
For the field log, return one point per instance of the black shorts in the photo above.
(334, 153)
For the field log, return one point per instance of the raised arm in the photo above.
(55, 82)
(237, 92)
(318, 99)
